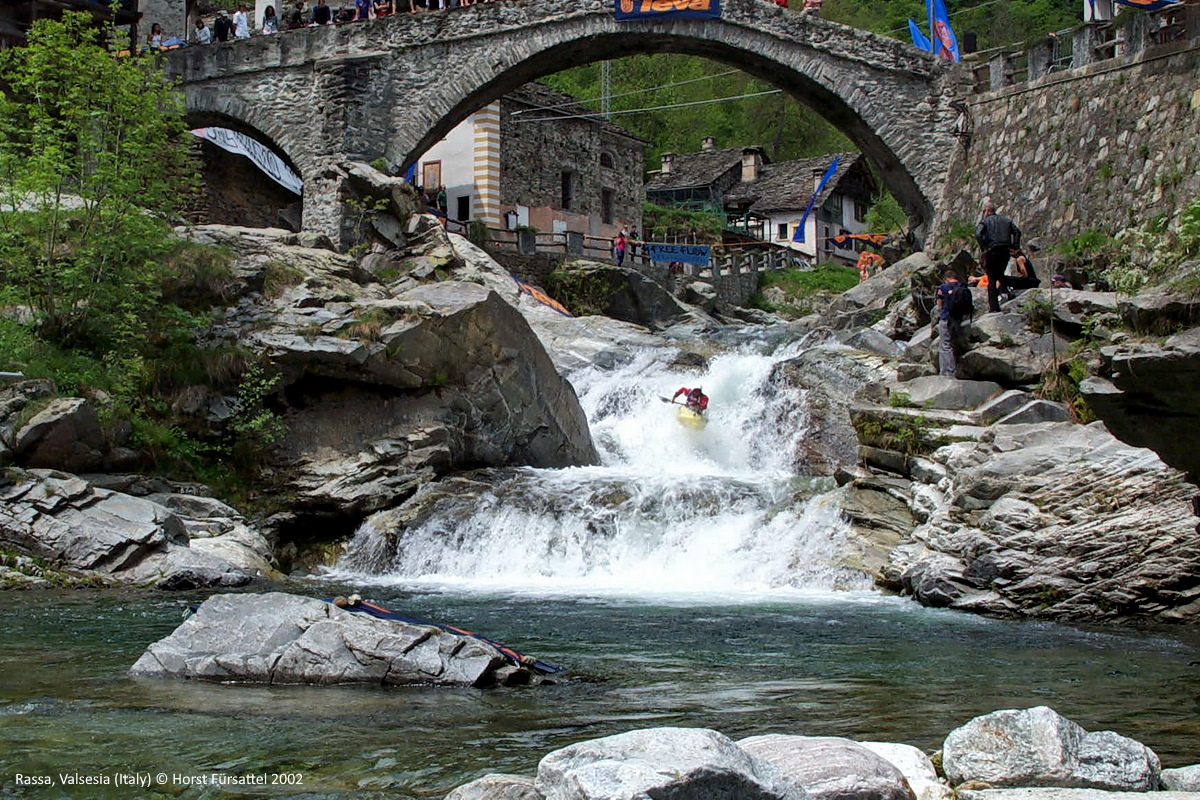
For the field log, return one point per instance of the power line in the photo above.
(594, 115)
(625, 94)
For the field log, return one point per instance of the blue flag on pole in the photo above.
(798, 236)
(945, 45)
(410, 174)
(920, 41)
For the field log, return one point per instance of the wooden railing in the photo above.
(726, 261)
(1089, 43)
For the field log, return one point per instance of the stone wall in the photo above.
(568, 145)
(1105, 146)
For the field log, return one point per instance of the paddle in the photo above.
(670, 400)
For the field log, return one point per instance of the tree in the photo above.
(93, 157)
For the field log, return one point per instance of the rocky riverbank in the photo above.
(423, 359)
(1007, 755)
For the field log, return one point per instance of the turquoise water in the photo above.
(856, 665)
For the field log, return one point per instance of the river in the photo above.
(686, 581)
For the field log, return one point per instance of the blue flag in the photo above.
(945, 45)
(798, 236)
(919, 39)
(410, 174)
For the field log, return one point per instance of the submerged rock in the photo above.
(281, 638)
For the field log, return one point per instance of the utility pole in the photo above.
(605, 90)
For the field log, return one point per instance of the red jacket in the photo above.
(700, 403)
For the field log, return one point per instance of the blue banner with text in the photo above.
(683, 253)
(626, 10)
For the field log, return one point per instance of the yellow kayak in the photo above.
(690, 418)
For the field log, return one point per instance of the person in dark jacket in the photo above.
(996, 235)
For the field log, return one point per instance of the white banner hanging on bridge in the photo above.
(256, 151)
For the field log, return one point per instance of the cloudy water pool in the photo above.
(851, 664)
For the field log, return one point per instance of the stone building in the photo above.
(765, 200)
(538, 158)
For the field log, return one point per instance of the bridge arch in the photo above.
(393, 87)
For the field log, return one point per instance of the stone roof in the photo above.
(788, 185)
(553, 103)
(690, 170)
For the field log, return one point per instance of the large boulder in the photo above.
(1038, 747)
(830, 768)
(81, 527)
(683, 763)
(917, 768)
(1145, 394)
(64, 435)
(497, 787)
(1056, 520)
(1181, 779)
(590, 287)
(282, 638)
(454, 376)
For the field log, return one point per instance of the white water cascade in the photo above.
(671, 512)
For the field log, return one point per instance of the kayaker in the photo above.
(696, 400)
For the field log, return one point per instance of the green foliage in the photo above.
(899, 400)
(804, 289)
(477, 233)
(583, 292)
(698, 227)
(255, 428)
(1061, 382)
(886, 215)
(88, 141)
(958, 234)
(785, 127)
(278, 277)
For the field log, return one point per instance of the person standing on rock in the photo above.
(954, 306)
(996, 235)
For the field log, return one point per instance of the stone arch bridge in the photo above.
(393, 87)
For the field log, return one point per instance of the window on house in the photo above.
(781, 230)
(860, 211)
(607, 160)
(606, 206)
(463, 212)
(568, 191)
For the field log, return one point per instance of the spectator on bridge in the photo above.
(343, 14)
(241, 23)
(996, 235)
(155, 37)
(322, 14)
(270, 21)
(295, 16)
(812, 8)
(383, 8)
(222, 27)
(362, 10)
(200, 34)
(619, 245)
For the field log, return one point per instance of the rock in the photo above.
(280, 638)
(1068, 794)
(1037, 411)
(64, 435)
(830, 768)
(937, 580)
(1084, 526)
(660, 762)
(916, 767)
(872, 341)
(938, 391)
(698, 293)
(590, 287)
(879, 290)
(1145, 394)
(77, 526)
(1038, 747)
(1002, 405)
(1181, 779)
(1015, 366)
(497, 787)
(1159, 310)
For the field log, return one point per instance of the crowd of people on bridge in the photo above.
(299, 14)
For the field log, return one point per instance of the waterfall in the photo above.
(671, 511)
